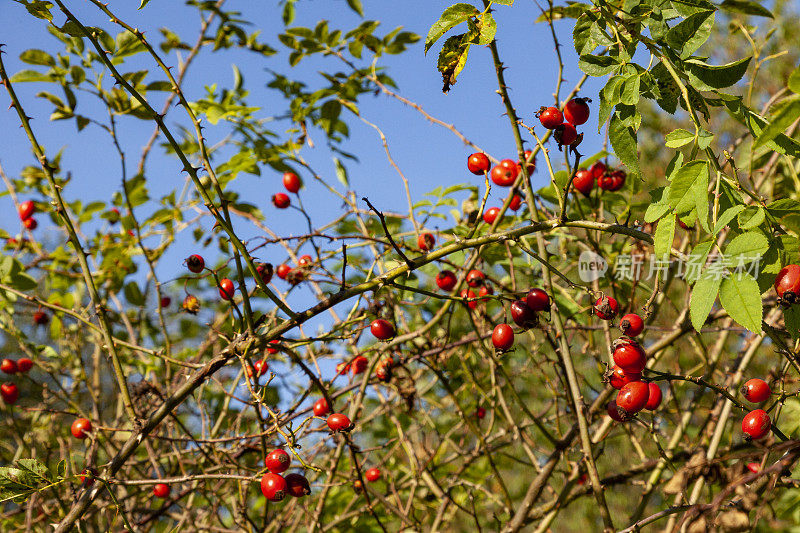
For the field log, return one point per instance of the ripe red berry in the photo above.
(81, 428)
(281, 200)
(485, 291)
(273, 350)
(754, 467)
(606, 308)
(480, 413)
(24, 365)
(598, 169)
(382, 329)
(273, 487)
(225, 289)
(161, 490)
(787, 283)
(283, 270)
(654, 400)
(633, 397)
(631, 325)
(291, 182)
(565, 134)
(630, 357)
(522, 315)
(531, 166)
(40, 318)
(613, 411)
(359, 365)
(491, 214)
(683, 225)
(195, 263)
(9, 392)
(321, 407)
(478, 163)
(373, 474)
(339, 422)
(305, 260)
(618, 378)
(384, 370)
(26, 209)
(467, 293)
(165, 301)
(550, 117)
(576, 111)
(756, 390)
(584, 181)
(30, 224)
(505, 173)
(503, 337)
(87, 476)
(756, 424)
(260, 368)
(537, 300)
(515, 203)
(277, 461)
(265, 272)
(612, 181)
(342, 368)
(475, 278)
(9, 366)
(425, 241)
(446, 280)
(297, 485)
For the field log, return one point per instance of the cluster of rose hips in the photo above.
(276, 486)
(629, 361)
(576, 112)
(503, 174)
(606, 179)
(10, 391)
(26, 211)
(524, 314)
(292, 183)
(293, 276)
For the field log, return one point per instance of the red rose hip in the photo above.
(382, 329)
(503, 337)
(277, 461)
(787, 284)
(550, 117)
(654, 400)
(161, 490)
(425, 241)
(537, 300)
(491, 214)
(446, 280)
(584, 182)
(297, 485)
(273, 487)
(475, 278)
(576, 111)
(281, 200)
(633, 397)
(631, 325)
(606, 308)
(756, 390)
(225, 289)
(81, 428)
(478, 163)
(373, 474)
(618, 378)
(522, 315)
(9, 392)
(291, 182)
(195, 263)
(756, 424)
(321, 407)
(630, 357)
(26, 210)
(505, 173)
(339, 422)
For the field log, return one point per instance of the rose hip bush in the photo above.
(447, 369)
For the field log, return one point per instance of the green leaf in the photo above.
(658, 206)
(746, 8)
(690, 34)
(594, 65)
(741, 298)
(452, 60)
(704, 294)
(134, 294)
(665, 233)
(705, 77)
(794, 81)
(790, 415)
(37, 57)
(783, 118)
(623, 140)
(783, 207)
(791, 318)
(29, 76)
(752, 217)
(678, 138)
(695, 265)
(704, 139)
(726, 217)
(341, 172)
(356, 6)
(683, 193)
(487, 28)
(451, 17)
(745, 248)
